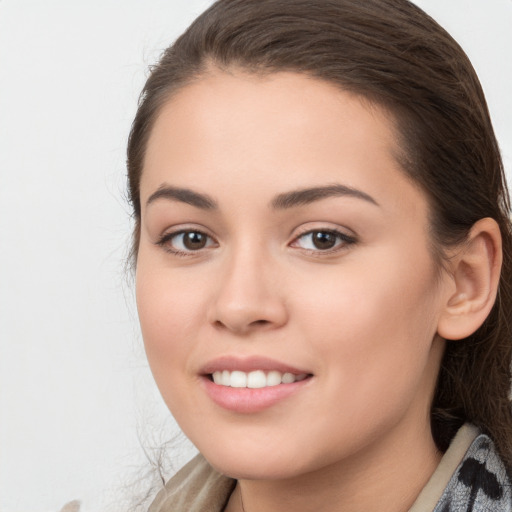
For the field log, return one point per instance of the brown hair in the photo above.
(396, 56)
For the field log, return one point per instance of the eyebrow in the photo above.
(306, 196)
(183, 195)
(300, 197)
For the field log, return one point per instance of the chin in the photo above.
(258, 461)
(255, 469)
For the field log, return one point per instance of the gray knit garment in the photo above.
(480, 483)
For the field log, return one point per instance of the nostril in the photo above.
(219, 324)
(260, 322)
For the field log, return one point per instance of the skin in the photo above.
(362, 318)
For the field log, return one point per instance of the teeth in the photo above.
(288, 378)
(255, 379)
(238, 380)
(273, 378)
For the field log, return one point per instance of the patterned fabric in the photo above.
(480, 483)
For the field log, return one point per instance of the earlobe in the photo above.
(475, 274)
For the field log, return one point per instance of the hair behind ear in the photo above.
(474, 379)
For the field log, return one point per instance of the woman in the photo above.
(322, 247)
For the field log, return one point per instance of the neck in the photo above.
(384, 478)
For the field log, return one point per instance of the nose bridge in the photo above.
(248, 295)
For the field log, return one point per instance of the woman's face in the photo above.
(282, 248)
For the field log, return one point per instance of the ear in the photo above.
(475, 272)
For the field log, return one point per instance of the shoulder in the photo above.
(197, 487)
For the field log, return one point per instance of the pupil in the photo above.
(194, 240)
(324, 240)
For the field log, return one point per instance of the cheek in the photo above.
(168, 311)
(374, 322)
(388, 292)
(169, 315)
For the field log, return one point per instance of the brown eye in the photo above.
(323, 240)
(193, 240)
(186, 242)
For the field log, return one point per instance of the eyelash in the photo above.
(343, 241)
(164, 242)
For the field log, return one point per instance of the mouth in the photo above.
(252, 385)
(255, 379)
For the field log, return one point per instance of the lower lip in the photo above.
(251, 400)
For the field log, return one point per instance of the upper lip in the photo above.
(248, 364)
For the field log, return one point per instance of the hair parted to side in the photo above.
(394, 55)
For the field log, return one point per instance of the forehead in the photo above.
(284, 129)
(246, 106)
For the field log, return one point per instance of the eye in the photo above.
(323, 240)
(186, 241)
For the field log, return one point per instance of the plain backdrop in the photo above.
(78, 408)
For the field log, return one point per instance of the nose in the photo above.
(249, 296)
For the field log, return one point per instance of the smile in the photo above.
(255, 379)
(246, 385)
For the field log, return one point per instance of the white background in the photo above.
(76, 398)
